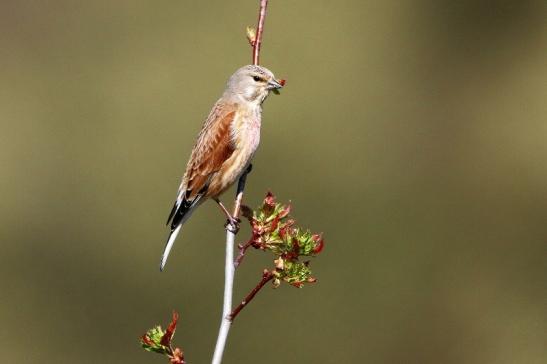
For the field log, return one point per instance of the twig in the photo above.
(242, 249)
(229, 275)
(260, 28)
(266, 277)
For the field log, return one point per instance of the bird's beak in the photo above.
(274, 84)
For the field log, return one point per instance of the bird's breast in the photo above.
(246, 131)
(245, 137)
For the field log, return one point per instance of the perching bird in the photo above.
(224, 147)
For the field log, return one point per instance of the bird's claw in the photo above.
(232, 225)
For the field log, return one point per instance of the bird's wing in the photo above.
(213, 147)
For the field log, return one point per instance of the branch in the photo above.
(242, 249)
(260, 28)
(266, 277)
(229, 274)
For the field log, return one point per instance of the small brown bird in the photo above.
(225, 145)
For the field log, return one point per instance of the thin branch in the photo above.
(229, 274)
(266, 277)
(259, 30)
(242, 249)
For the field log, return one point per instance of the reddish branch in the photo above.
(266, 277)
(260, 27)
(242, 249)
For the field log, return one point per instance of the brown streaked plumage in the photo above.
(225, 145)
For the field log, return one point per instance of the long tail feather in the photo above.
(168, 246)
(181, 213)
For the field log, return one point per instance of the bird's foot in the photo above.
(232, 224)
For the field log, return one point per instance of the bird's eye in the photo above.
(256, 78)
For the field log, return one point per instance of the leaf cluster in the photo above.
(275, 231)
(158, 341)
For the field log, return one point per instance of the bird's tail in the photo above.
(169, 245)
(181, 214)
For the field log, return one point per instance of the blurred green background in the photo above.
(413, 133)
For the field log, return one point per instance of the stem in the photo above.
(266, 277)
(260, 28)
(229, 275)
(242, 249)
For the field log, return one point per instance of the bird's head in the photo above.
(252, 83)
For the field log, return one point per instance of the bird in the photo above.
(224, 147)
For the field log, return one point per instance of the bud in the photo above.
(159, 341)
(319, 243)
(279, 263)
(166, 339)
(269, 201)
(251, 35)
(285, 211)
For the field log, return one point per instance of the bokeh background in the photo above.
(412, 133)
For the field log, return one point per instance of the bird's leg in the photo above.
(232, 224)
(249, 169)
(224, 209)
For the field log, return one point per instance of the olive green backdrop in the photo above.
(413, 133)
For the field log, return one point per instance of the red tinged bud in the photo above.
(285, 212)
(290, 222)
(282, 82)
(145, 339)
(166, 338)
(319, 243)
(275, 222)
(295, 245)
(269, 200)
(283, 232)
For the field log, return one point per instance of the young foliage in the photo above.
(158, 341)
(275, 231)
